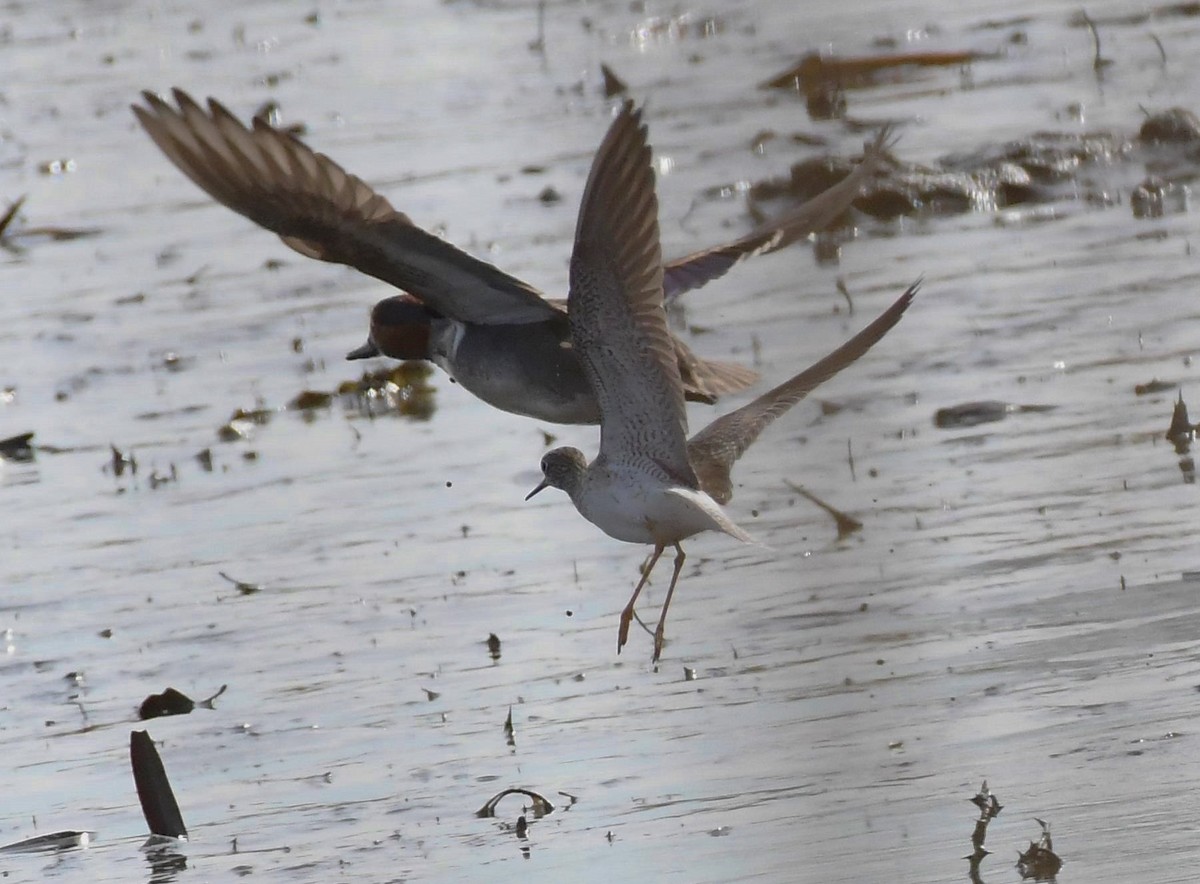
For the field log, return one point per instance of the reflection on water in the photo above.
(1011, 609)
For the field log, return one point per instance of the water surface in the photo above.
(1014, 609)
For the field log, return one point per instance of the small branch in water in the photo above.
(242, 587)
(846, 525)
(845, 292)
(11, 213)
(850, 460)
(1161, 51)
(1099, 63)
(539, 45)
(541, 804)
(207, 702)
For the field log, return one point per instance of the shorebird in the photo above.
(494, 334)
(650, 484)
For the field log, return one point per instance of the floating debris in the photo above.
(9, 236)
(403, 390)
(269, 114)
(242, 422)
(813, 70)
(159, 806)
(68, 839)
(242, 586)
(119, 462)
(173, 702)
(57, 167)
(1041, 169)
(204, 458)
(169, 702)
(13, 208)
(824, 80)
(1040, 862)
(846, 525)
(989, 809)
(1148, 199)
(970, 414)
(1099, 62)
(672, 29)
(1182, 431)
(1154, 386)
(18, 449)
(509, 733)
(311, 399)
(613, 85)
(1172, 126)
(541, 806)
(157, 479)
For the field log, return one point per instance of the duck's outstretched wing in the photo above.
(700, 268)
(319, 209)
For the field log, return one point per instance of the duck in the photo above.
(497, 336)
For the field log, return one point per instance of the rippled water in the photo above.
(1015, 607)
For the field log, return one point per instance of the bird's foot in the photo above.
(659, 641)
(623, 630)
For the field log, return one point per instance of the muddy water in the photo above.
(1015, 607)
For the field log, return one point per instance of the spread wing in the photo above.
(716, 448)
(322, 211)
(618, 324)
(701, 268)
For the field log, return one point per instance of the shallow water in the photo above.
(1014, 608)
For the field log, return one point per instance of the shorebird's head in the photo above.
(399, 329)
(562, 468)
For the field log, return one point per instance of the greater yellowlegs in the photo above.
(649, 483)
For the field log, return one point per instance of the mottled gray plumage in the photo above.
(649, 484)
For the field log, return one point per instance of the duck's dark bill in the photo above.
(366, 351)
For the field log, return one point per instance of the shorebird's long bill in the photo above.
(366, 351)
(542, 485)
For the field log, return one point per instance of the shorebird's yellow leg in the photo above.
(627, 614)
(662, 619)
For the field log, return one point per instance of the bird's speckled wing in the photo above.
(716, 448)
(322, 211)
(618, 324)
(700, 268)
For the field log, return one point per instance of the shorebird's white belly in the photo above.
(633, 506)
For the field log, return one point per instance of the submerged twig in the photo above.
(541, 804)
(1161, 51)
(845, 293)
(539, 45)
(242, 586)
(1098, 61)
(989, 808)
(846, 524)
(12, 213)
